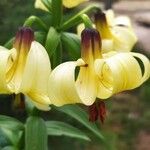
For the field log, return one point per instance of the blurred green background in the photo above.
(127, 125)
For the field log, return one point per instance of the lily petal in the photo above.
(62, 89)
(120, 72)
(36, 72)
(41, 107)
(4, 56)
(86, 85)
(124, 38)
(118, 29)
(72, 3)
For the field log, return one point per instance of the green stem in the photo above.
(57, 12)
(57, 56)
(77, 18)
(9, 43)
(34, 19)
(87, 21)
(47, 4)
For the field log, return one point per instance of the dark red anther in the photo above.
(101, 110)
(93, 113)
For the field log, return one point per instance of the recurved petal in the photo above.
(36, 73)
(110, 16)
(124, 38)
(72, 3)
(146, 67)
(121, 72)
(5, 63)
(107, 83)
(122, 21)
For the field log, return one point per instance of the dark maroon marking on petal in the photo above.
(100, 17)
(86, 38)
(90, 41)
(96, 41)
(101, 111)
(24, 38)
(93, 113)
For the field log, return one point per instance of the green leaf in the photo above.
(40, 37)
(13, 136)
(57, 10)
(72, 44)
(76, 19)
(56, 58)
(35, 134)
(52, 41)
(11, 129)
(47, 4)
(10, 123)
(9, 148)
(58, 128)
(79, 114)
(3, 139)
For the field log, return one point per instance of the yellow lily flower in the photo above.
(67, 3)
(25, 69)
(100, 75)
(117, 33)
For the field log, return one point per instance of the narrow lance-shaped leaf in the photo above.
(57, 56)
(11, 129)
(79, 114)
(76, 19)
(10, 123)
(52, 41)
(12, 136)
(71, 44)
(40, 37)
(47, 4)
(9, 148)
(58, 128)
(35, 134)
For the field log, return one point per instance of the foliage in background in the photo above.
(12, 15)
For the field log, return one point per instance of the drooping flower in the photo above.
(100, 75)
(67, 3)
(116, 32)
(25, 69)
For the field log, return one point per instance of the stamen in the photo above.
(101, 111)
(93, 113)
